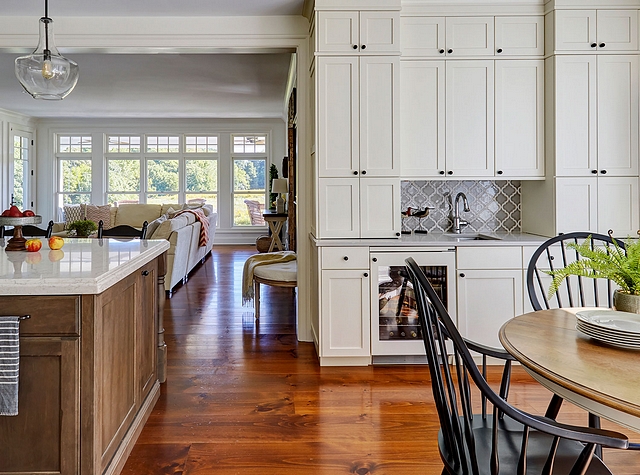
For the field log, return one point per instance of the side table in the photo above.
(275, 222)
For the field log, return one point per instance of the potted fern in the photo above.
(622, 266)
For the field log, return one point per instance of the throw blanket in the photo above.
(204, 229)
(9, 365)
(259, 260)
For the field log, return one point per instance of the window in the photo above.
(74, 169)
(20, 169)
(249, 176)
(163, 181)
(163, 144)
(123, 169)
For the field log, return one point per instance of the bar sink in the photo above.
(471, 237)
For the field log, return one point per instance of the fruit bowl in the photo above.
(17, 242)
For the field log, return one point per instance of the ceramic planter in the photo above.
(626, 302)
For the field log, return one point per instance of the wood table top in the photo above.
(547, 343)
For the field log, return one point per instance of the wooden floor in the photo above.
(244, 397)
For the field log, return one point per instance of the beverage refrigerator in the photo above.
(396, 336)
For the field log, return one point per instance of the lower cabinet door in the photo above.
(486, 300)
(345, 328)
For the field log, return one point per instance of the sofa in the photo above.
(165, 221)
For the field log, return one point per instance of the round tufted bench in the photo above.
(283, 274)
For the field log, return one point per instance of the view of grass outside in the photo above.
(249, 180)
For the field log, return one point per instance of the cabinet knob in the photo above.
(366, 274)
(449, 51)
(355, 172)
(449, 172)
(499, 50)
(594, 172)
(364, 172)
(346, 258)
(363, 47)
(462, 275)
(441, 172)
(603, 172)
(441, 51)
(500, 172)
(398, 234)
(355, 46)
(602, 45)
(375, 259)
(145, 273)
(593, 45)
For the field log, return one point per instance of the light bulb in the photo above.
(47, 69)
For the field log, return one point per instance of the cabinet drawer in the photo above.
(345, 257)
(50, 315)
(489, 257)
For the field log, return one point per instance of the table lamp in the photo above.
(280, 186)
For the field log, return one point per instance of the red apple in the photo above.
(5, 213)
(27, 212)
(33, 245)
(14, 212)
(56, 242)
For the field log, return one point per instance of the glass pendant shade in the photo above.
(45, 73)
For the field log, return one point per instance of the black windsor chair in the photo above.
(29, 230)
(511, 442)
(122, 231)
(575, 291)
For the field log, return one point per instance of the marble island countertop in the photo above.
(82, 266)
(439, 240)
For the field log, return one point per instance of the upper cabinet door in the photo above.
(470, 118)
(576, 30)
(338, 116)
(380, 208)
(338, 32)
(379, 32)
(520, 35)
(422, 105)
(379, 111)
(422, 36)
(617, 95)
(519, 95)
(617, 30)
(469, 36)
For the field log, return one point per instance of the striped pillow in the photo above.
(96, 213)
(72, 213)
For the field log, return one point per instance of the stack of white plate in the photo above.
(610, 326)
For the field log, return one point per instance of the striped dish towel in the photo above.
(9, 365)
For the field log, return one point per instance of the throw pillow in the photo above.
(172, 212)
(72, 213)
(155, 224)
(99, 213)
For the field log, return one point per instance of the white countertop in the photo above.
(82, 266)
(438, 239)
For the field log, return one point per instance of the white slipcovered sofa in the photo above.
(182, 232)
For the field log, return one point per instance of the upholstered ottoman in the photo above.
(284, 274)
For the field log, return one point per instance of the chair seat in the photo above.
(510, 440)
(281, 272)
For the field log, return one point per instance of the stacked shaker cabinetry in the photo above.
(395, 330)
(357, 125)
(344, 306)
(593, 30)
(472, 118)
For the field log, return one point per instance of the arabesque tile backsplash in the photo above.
(494, 205)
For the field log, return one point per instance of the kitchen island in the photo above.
(92, 353)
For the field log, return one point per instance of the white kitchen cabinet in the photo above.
(470, 118)
(344, 306)
(358, 109)
(519, 118)
(519, 35)
(597, 204)
(596, 30)
(358, 208)
(596, 115)
(358, 32)
(482, 272)
(438, 36)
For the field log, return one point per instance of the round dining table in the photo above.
(602, 379)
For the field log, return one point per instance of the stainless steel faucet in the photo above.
(458, 223)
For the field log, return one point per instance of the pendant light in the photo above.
(45, 73)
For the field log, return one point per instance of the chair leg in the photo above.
(256, 298)
(594, 421)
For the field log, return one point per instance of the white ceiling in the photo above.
(159, 85)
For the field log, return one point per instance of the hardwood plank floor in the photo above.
(244, 397)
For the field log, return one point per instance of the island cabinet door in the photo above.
(146, 332)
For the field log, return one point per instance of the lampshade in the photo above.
(45, 73)
(280, 185)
